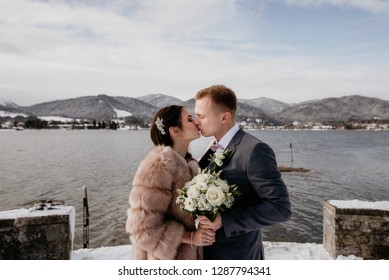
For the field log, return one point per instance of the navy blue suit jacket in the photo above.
(264, 201)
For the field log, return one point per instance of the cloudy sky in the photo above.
(289, 50)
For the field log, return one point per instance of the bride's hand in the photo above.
(203, 237)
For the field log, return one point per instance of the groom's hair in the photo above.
(221, 96)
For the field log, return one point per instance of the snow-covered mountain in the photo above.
(98, 107)
(268, 105)
(334, 110)
(9, 109)
(160, 100)
(269, 111)
(7, 104)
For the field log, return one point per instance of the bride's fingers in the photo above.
(209, 238)
(209, 241)
(204, 237)
(209, 233)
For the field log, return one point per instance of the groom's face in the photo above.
(208, 117)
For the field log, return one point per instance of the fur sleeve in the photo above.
(150, 198)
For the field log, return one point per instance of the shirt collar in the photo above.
(226, 139)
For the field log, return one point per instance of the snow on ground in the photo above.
(358, 204)
(273, 251)
(122, 113)
(57, 119)
(11, 115)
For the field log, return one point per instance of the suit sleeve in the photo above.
(272, 205)
(149, 227)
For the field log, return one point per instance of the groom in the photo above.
(252, 166)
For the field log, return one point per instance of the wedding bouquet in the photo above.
(207, 194)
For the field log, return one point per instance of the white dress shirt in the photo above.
(226, 139)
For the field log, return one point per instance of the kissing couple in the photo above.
(156, 223)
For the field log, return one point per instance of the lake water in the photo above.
(38, 165)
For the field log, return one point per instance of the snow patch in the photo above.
(57, 119)
(11, 115)
(359, 204)
(273, 251)
(122, 113)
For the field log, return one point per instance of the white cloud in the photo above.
(373, 6)
(62, 49)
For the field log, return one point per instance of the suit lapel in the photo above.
(235, 141)
(204, 161)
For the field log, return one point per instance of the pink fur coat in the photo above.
(154, 221)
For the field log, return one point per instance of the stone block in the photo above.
(37, 235)
(356, 228)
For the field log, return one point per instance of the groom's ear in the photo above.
(226, 117)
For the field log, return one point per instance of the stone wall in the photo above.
(355, 231)
(37, 235)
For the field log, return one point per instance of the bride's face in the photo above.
(189, 129)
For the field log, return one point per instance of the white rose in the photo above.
(193, 191)
(223, 185)
(202, 186)
(200, 178)
(190, 204)
(215, 196)
(187, 185)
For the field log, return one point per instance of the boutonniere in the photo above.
(217, 158)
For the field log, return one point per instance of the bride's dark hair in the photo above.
(165, 118)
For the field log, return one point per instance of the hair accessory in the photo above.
(159, 124)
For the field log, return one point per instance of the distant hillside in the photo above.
(245, 111)
(6, 104)
(93, 107)
(139, 108)
(190, 104)
(333, 110)
(268, 105)
(160, 100)
(260, 110)
(9, 109)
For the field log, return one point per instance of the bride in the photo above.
(158, 228)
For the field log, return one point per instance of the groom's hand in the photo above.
(204, 222)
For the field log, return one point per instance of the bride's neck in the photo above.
(181, 148)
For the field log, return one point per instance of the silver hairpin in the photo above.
(159, 124)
